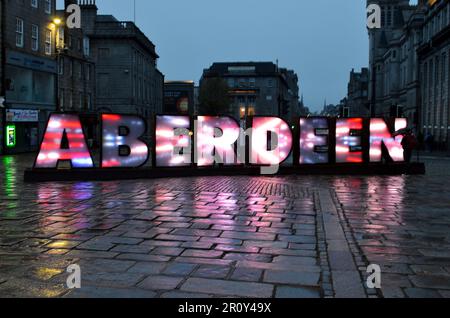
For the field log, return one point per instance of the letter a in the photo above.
(374, 16)
(74, 19)
(52, 150)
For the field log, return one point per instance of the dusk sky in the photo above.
(322, 40)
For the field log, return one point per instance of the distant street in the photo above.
(231, 236)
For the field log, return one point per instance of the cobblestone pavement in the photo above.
(228, 236)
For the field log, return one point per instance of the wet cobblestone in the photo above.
(229, 236)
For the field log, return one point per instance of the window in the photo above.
(34, 37)
(71, 100)
(48, 42)
(270, 83)
(80, 70)
(231, 82)
(103, 52)
(81, 100)
(71, 68)
(61, 66)
(48, 6)
(61, 98)
(86, 46)
(69, 42)
(19, 32)
(89, 101)
(34, 3)
(88, 72)
(252, 82)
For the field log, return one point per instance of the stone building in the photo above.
(393, 73)
(76, 74)
(409, 65)
(28, 71)
(357, 101)
(179, 97)
(2, 92)
(127, 78)
(434, 59)
(291, 91)
(258, 88)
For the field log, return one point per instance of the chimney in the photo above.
(69, 2)
(88, 15)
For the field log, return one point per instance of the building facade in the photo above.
(409, 65)
(76, 74)
(393, 74)
(357, 102)
(28, 71)
(258, 89)
(127, 78)
(179, 97)
(434, 63)
(2, 22)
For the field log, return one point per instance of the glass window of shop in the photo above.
(30, 86)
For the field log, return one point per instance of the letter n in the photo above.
(380, 135)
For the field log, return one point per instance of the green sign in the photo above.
(10, 136)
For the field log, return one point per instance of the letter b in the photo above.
(122, 147)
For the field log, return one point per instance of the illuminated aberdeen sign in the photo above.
(214, 142)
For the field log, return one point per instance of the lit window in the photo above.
(48, 42)
(19, 32)
(34, 37)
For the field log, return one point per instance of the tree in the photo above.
(213, 97)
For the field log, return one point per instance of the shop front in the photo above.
(21, 131)
(29, 99)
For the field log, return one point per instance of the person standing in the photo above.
(409, 143)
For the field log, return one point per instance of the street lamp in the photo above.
(56, 26)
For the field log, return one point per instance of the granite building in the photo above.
(179, 97)
(409, 65)
(126, 74)
(76, 74)
(2, 92)
(357, 102)
(434, 64)
(393, 73)
(28, 71)
(258, 88)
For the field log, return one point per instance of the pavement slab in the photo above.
(279, 236)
